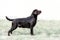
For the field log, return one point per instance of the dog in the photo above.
(28, 22)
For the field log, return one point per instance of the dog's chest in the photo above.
(33, 22)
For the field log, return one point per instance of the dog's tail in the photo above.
(9, 19)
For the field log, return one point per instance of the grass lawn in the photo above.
(44, 30)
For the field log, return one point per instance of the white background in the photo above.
(23, 8)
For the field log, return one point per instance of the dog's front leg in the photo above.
(31, 30)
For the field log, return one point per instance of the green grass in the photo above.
(44, 30)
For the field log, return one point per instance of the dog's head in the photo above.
(36, 12)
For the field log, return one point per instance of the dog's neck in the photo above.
(35, 16)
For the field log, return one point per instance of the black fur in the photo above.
(28, 22)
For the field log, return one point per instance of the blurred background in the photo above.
(47, 28)
(23, 8)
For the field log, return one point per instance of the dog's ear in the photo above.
(35, 11)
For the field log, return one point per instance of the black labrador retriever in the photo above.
(28, 22)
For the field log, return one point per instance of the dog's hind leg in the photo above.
(12, 28)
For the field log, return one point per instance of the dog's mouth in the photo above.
(39, 12)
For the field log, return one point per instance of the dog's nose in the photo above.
(39, 11)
